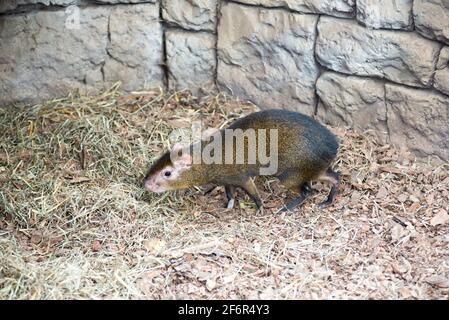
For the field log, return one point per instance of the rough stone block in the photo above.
(402, 57)
(191, 14)
(353, 101)
(418, 119)
(338, 8)
(441, 82)
(266, 56)
(6, 5)
(432, 18)
(135, 47)
(44, 57)
(385, 14)
(191, 60)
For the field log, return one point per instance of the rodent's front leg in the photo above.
(252, 191)
(230, 191)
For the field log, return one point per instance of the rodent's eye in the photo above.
(167, 173)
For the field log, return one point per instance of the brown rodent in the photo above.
(305, 151)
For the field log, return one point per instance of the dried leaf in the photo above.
(439, 281)
(430, 198)
(210, 284)
(257, 247)
(382, 193)
(153, 273)
(406, 293)
(96, 246)
(440, 218)
(83, 158)
(36, 238)
(414, 207)
(56, 240)
(267, 294)
(398, 268)
(3, 157)
(355, 197)
(229, 279)
(154, 246)
(397, 232)
(389, 169)
(191, 288)
(180, 122)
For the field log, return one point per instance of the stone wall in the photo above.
(379, 66)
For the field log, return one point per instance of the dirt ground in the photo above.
(75, 222)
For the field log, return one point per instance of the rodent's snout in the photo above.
(152, 186)
(148, 184)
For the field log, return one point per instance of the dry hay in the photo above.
(76, 223)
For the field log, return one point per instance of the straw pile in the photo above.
(75, 221)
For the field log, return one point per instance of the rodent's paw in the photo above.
(260, 211)
(282, 210)
(230, 204)
(324, 204)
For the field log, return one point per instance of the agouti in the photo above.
(301, 149)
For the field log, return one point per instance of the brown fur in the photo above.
(306, 150)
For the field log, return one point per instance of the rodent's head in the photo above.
(169, 172)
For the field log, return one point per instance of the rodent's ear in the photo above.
(176, 147)
(184, 160)
(208, 133)
(176, 151)
(180, 157)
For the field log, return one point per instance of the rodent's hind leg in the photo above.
(305, 190)
(334, 179)
(252, 191)
(230, 191)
